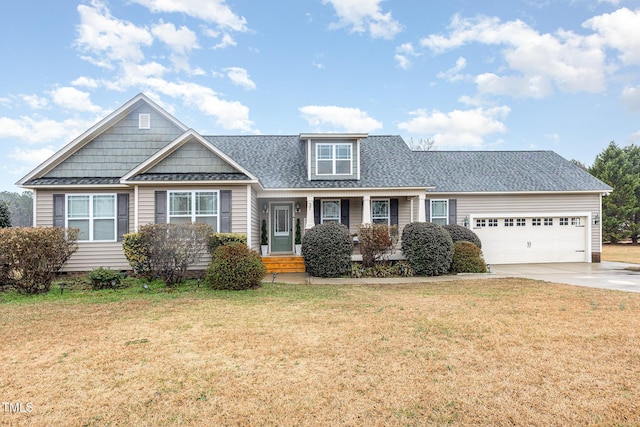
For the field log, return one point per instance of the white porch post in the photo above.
(422, 213)
(366, 209)
(310, 214)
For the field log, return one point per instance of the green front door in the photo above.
(281, 227)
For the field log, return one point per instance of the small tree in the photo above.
(376, 241)
(5, 215)
(298, 232)
(263, 235)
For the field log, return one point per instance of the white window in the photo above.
(194, 206)
(380, 212)
(333, 159)
(493, 222)
(440, 212)
(521, 222)
(144, 121)
(508, 222)
(94, 215)
(330, 211)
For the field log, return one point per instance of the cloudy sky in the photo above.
(557, 75)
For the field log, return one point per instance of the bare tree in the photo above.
(424, 144)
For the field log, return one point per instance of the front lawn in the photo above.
(485, 352)
(621, 252)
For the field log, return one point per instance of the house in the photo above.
(140, 165)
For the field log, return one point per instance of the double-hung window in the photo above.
(330, 211)
(94, 215)
(194, 206)
(380, 212)
(440, 211)
(333, 159)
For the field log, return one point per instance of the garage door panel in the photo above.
(549, 240)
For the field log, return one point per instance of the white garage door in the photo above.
(520, 240)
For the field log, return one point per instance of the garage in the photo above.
(512, 239)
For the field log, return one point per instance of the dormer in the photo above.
(333, 156)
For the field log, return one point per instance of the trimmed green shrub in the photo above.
(235, 267)
(326, 249)
(217, 239)
(136, 253)
(102, 278)
(376, 241)
(32, 256)
(459, 233)
(428, 248)
(467, 258)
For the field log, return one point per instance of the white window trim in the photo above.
(193, 204)
(388, 210)
(322, 217)
(432, 217)
(334, 158)
(91, 217)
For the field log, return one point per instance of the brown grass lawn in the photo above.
(472, 352)
(622, 252)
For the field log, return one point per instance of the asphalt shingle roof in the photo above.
(190, 177)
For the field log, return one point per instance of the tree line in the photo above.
(16, 209)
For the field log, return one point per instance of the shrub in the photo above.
(32, 256)
(467, 258)
(428, 248)
(102, 278)
(459, 233)
(396, 269)
(217, 239)
(376, 241)
(234, 267)
(326, 249)
(167, 250)
(5, 214)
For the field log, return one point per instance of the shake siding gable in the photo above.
(192, 157)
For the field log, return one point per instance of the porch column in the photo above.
(422, 214)
(310, 214)
(366, 209)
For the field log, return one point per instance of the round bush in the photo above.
(467, 258)
(326, 249)
(428, 248)
(234, 267)
(463, 234)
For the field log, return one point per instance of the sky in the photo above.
(557, 75)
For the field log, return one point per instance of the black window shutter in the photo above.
(453, 211)
(427, 215)
(161, 207)
(316, 211)
(393, 211)
(58, 210)
(225, 211)
(123, 215)
(344, 212)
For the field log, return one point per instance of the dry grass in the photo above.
(475, 352)
(622, 252)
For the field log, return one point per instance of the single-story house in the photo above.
(141, 165)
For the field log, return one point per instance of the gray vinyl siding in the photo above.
(355, 161)
(193, 157)
(89, 255)
(255, 222)
(120, 148)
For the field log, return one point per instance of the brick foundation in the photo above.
(595, 256)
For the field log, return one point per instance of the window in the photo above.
(380, 212)
(508, 222)
(144, 121)
(548, 222)
(94, 215)
(333, 159)
(194, 206)
(521, 222)
(481, 223)
(493, 222)
(564, 221)
(536, 222)
(330, 211)
(576, 221)
(440, 212)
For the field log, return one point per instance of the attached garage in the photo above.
(521, 239)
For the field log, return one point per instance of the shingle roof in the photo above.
(190, 177)
(73, 181)
(387, 162)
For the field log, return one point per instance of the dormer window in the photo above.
(333, 159)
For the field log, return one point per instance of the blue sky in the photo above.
(472, 75)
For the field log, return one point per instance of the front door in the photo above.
(281, 229)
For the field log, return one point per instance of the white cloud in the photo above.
(340, 118)
(34, 101)
(35, 130)
(73, 99)
(180, 41)
(227, 40)
(86, 82)
(108, 39)
(31, 156)
(621, 31)
(240, 77)
(404, 54)
(631, 98)
(565, 60)
(213, 11)
(365, 15)
(459, 128)
(453, 73)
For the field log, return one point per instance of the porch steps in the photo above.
(284, 264)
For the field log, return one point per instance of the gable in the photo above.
(192, 157)
(119, 148)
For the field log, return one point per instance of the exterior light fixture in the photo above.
(596, 219)
(265, 209)
(297, 207)
(465, 221)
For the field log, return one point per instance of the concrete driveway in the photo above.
(607, 275)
